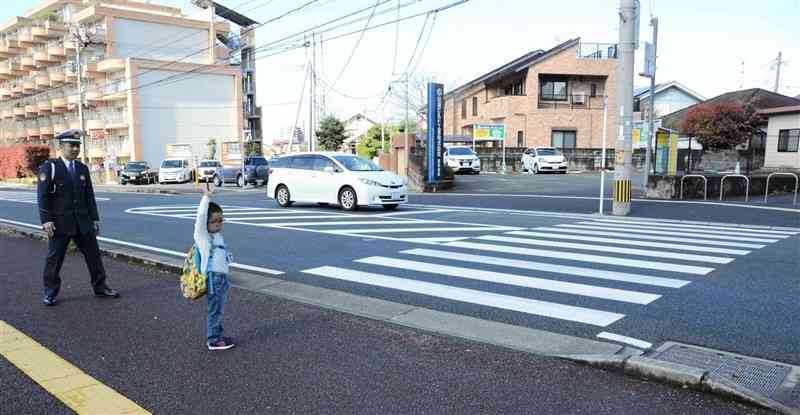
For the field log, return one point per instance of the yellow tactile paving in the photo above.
(79, 391)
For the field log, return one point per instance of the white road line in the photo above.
(625, 339)
(437, 240)
(621, 241)
(352, 222)
(598, 259)
(554, 268)
(283, 217)
(612, 249)
(621, 234)
(585, 290)
(418, 212)
(443, 229)
(155, 249)
(621, 228)
(704, 227)
(505, 302)
(671, 228)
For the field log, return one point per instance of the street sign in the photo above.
(435, 142)
(489, 132)
(649, 61)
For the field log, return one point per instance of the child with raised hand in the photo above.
(214, 263)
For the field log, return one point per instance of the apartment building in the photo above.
(156, 82)
(544, 98)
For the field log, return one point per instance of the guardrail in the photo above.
(705, 184)
(747, 186)
(796, 183)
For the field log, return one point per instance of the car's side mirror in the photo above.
(329, 169)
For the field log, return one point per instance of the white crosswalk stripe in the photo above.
(505, 302)
(619, 235)
(703, 227)
(624, 228)
(29, 197)
(617, 241)
(711, 232)
(516, 280)
(611, 249)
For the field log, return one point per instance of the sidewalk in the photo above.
(290, 358)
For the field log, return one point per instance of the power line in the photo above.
(355, 47)
(416, 46)
(396, 38)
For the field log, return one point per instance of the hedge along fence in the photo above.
(22, 160)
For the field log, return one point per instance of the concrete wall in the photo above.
(190, 111)
(772, 158)
(147, 40)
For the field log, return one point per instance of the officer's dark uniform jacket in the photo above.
(68, 203)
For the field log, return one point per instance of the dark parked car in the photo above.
(256, 169)
(138, 172)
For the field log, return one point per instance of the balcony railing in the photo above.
(571, 102)
(597, 51)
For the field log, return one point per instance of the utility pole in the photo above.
(79, 44)
(652, 112)
(603, 155)
(778, 63)
(313, 135)
(628, 14)
(405, 128)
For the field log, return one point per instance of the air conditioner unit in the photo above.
(579, 99)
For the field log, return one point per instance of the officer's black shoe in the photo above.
(49, 301)
(107, 292)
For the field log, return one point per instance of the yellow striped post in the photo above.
(622, 191)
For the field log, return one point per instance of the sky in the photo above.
(711, 46)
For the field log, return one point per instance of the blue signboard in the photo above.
(435, 142)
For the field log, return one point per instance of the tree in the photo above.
(722, 125)
(212, 149)
(331, 134)
(371, 144)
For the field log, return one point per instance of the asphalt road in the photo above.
(728, 288)
(290, 358)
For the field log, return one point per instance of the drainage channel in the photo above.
(759, 377)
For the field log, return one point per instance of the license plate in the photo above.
(396, 195)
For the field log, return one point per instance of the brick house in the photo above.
(544, 98)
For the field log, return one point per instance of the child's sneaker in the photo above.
(223, 344)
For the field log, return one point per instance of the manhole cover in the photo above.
(758, 375)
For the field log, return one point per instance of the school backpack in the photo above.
(193, 282)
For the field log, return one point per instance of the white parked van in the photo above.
(336, 178)
(175, 170)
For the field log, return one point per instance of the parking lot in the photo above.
(577, 184)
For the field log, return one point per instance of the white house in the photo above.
(356, 128)
(783, 137)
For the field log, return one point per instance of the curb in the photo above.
(681, 376)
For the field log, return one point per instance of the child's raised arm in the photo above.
(201, 223)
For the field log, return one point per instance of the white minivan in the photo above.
(335, 178)
(175, 170)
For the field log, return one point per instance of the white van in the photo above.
(175, 170)
(336, 178)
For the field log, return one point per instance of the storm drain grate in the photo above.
(757, 375)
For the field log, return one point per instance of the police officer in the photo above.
(68, 211)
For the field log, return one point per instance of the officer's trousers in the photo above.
(57, 248)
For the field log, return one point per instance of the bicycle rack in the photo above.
(705, 184)
(747, 186)
(796, 183)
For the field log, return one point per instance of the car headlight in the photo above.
(370, 182)
(476, 161)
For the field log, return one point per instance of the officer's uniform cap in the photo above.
(70, 136)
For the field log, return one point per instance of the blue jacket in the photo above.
(71, 206)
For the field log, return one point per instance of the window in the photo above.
(321, 162)
(304, 163)
(516, 88)
(593, 91)
(233, 148)
(563, 139)
(520, 139)
(474, 106)
(356, 163)
(463, 109)
(788, 141)
(553, 89)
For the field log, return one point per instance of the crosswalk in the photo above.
(589, 272)
(400, 226)
(25, 196)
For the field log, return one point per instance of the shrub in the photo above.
(22, 160)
